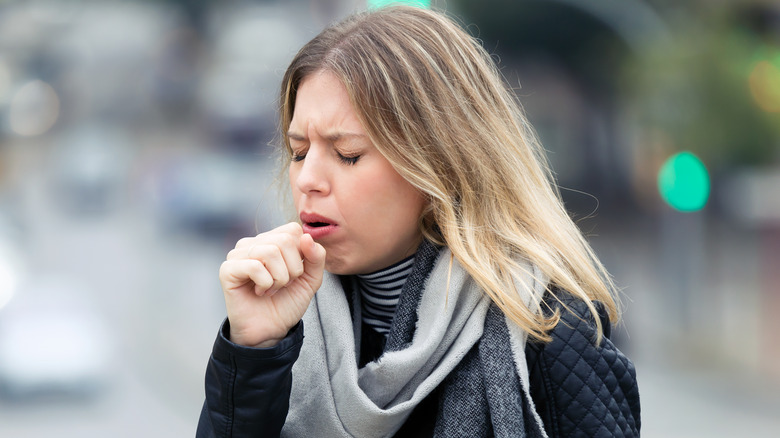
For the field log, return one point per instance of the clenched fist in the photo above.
(268, 281)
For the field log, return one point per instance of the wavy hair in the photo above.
(435, 105)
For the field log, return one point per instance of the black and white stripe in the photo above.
(380, 292)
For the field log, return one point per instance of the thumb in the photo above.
(313, 257)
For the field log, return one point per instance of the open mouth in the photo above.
(316, 225)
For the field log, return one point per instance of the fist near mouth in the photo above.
(268, 281)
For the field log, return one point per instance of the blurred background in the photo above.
(134, 151)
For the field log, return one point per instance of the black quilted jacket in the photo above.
(581, 390)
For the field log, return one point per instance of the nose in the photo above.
(312, 176)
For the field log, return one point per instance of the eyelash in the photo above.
(344, 159)
(349, 160)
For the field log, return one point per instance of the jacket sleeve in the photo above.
(248, 389)
(581, 389)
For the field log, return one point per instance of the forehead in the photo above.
(322, 103)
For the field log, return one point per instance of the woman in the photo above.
(454, 295)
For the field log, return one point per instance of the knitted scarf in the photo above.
(446, 332)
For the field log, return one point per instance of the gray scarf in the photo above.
(454, 336)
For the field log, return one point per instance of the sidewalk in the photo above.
(688, 403)
(696, 308)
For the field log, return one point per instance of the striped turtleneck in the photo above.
(380, 292)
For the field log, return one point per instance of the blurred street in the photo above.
(159, 297)
(159, 301)
(133, 154)
(698, 375)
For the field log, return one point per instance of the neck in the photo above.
(380, 291)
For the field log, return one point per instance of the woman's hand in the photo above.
(268, 281)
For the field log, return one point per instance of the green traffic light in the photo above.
(374, 4)
(684, 182)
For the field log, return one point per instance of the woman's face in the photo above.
(348, 196)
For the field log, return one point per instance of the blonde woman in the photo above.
(442, 288)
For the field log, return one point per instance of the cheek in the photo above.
(412, 205)
(293, 175)
(406, 196)
(399, 205)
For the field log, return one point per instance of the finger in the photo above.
(290, 247)
(236, 273)
(292, 228)
(313, 260)
(271, 257)
(288, 242)
(245, 242)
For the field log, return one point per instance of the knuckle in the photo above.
(266, 282)
(275, 251)
(257, 266)
(296, 228)
(227, 271)
(260, 252)
(288, 240)
(283, 278)
(292, 229)
(244, 241)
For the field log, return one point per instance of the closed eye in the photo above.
(344, 159)
(349, 160)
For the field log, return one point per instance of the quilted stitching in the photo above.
(580, 389)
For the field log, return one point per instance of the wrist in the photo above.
(226, 351)
(238, 339)
(267, 344)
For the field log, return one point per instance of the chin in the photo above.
(342, 266)
(338, 266)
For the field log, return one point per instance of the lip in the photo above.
(317, 232)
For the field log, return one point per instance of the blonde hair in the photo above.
(434, 104)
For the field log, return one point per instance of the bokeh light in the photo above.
(34, 109)
(382, 3)
(764, 81)
(684, 182)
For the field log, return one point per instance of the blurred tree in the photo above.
(704, 87)
(568, 53)
(583, 42)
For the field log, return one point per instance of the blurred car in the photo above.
(52, 341)
(239, 87)
(9, 273)
(215, 195)
(88, 169)
(11, 242)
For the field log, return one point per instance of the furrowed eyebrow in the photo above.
(332, 137)
(343, 136)
(295, 136)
